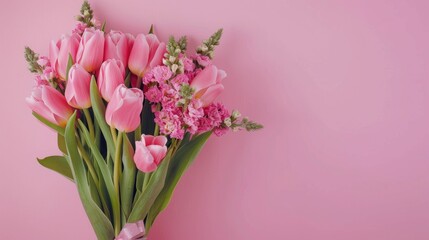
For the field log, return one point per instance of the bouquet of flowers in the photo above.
(131, 114)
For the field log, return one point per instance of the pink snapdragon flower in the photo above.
(50, 104)
(79, 28)
(202, 60)
(44, 61)
(150, 152)
(170, 122)
(153, 94)
(59, 52)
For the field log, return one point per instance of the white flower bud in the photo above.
(204, 48)
(227, 122)
(235, 114)
(174, 68)
(172, 59)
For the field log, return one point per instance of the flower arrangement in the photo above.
(131, 113)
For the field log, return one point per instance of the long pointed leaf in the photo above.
(99, 112)
(61, 143)
(55, 127)
(58, 164)
(148, 196)
(101, 224)
(128, 177)
(179, 163)
(104, 169)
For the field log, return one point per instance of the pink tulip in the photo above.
(77, 91)
(50, 104)
(208, 84)
(59, 52)
(149, 152)
(124, 108)
(111, 75)
(147, 52)
(118, 46)
(91, 49)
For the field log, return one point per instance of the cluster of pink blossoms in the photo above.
(178, 111)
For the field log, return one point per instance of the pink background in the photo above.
(341, 86)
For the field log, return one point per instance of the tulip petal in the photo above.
(41, 109)
(205, 78)
(211, 94)
(139, 55)
(56, 102)
(158, 152)
(156, 59)
(159, 140)
(143, 159)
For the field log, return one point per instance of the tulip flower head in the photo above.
(50, 104)
(59, 52)
(78, 87)
(111, 75)
(150, 151)
(91, 49)
(147, 52)
(208, 84)
(124, 108)
(118, 46)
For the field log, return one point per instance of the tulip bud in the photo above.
(118, 46)
(91, 49)
(150, 151)
(208, 84)
(50, 104)
(111, 75)
(147, 52)
(124, 108)
(60, 51)
(77, 91)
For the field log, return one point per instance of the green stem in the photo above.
(156, 131)
(116, 175)
(88, 162)
(113, 131)
(138, 133)
(90, 124)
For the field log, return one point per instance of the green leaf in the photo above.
(127, 80)
(179, 163)
(101, 224)
(151, 29)
(148, 196)
(55, 127)
(58, 164)
(99, 113)
(128, 176)
(69, 65)
(93, 190)
(104, 169)
(61, 143)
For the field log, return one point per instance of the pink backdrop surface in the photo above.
(342, 88)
